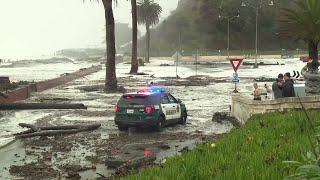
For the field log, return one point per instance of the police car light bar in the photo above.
(151, 89)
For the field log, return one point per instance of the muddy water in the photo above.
(201, 102)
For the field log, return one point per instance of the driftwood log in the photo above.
(31, 106)
(54, 130)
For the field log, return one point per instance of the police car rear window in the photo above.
(139, 100)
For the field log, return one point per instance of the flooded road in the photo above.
(201, 101)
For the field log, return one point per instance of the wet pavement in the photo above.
(90, 150)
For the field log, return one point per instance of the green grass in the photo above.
(255, 151)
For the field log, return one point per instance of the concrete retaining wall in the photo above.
(18, 94)
(243, 108)
(24, 92)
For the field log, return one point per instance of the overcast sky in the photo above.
(31, 28)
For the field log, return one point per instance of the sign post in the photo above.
(177, 56)
(235, 63)
(196, 58)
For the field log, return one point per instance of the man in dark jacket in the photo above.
(288, 88)
(277, 87)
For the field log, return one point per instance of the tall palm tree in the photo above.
(149, 15)
(134, 60)
(111, 78)
(301, 21)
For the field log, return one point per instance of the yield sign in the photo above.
(236, 62)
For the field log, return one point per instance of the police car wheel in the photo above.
(122, 128)
(183, 119)
(160, 123)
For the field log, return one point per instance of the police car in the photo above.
(150, 107)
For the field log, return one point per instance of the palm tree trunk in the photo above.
(147, 43)
(313, 51)
(134, 60)
(111, 79)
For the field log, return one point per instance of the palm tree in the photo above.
(149, 15)
(134, 60)
(301, 21)
(111, 78)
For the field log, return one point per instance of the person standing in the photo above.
(277, 87)
(257, 92)
(288, 88)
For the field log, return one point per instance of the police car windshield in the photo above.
(139, 100)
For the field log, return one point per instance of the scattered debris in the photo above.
(184, 149)
(54, 130)
(219, 117)
(31, 106)
(34, 171)
(141, 74)
(114, 162)
(263, 79)
(98, 87)
(165, 64)
(135, 164)
(261, 64)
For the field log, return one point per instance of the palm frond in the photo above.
(301, 20)
(148, 12)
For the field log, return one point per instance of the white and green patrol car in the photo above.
(149, 108)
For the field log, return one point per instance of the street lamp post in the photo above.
(257, 7)
(229, 19)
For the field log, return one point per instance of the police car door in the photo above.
(166, 107)
(176, 107)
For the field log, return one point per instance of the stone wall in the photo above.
(243, 108)
(23, 93)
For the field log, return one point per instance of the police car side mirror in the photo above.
(179, 101)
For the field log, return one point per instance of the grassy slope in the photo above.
(253, 152)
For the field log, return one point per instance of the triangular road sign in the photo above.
(177, 55)
(236, 62)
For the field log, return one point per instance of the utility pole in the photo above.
(228, 38)
(257, 7)
(256, 57)
(229, 19)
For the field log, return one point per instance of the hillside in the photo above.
(198, 24)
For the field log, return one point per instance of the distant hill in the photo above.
(197, 22)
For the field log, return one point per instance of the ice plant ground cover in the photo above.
(255, 151)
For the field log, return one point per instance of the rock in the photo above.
(164, 146)
(165, 65)
(121, 89)
(141, 74)
(219, 117)
(73, 175)
(136, 163)
(184, 149)
(198, 131)
(114, 163)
